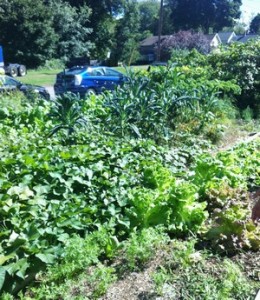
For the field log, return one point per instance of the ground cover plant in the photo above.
(84, 182)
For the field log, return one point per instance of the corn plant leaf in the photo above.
(2, 277)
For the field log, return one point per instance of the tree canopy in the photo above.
(204, 14)
(27, 33)
(33, 32)
(149, 15)
(255, 24)
(71, 27)
(126, 46)
(184, 40)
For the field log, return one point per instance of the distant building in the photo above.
(149, 46)
(227, 37)
(246, 37)
(214, 40)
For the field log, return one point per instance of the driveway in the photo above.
(50, 89)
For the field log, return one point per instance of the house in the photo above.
(227, 37)
(149, 46)
(246, 37)
(214, 40)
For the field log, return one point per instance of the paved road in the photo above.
(50, 89)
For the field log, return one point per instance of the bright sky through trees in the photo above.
(249, 9)
(251, 5)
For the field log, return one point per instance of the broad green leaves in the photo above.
(57, 191)
(51, 190)
(224, 181)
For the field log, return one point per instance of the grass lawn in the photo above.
(46, 77)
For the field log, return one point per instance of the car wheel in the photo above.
(90, 92)
(13, 71)
(22, 70)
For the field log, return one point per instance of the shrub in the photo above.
(185, 40)
(52, 64)
(240, 62)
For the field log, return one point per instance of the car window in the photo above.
(97, 72)
(111, 72)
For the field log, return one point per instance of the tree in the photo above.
(26, 31)
(103, 22)
(227, 12)
(255, 25)
(149, 15)
(204, 14)
(71, 26)
(126, 48)
(112, 7)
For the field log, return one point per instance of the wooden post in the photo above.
(160, 32)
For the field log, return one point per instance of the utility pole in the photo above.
(160, 32)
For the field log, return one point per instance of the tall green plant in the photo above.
(67, 112)
(144, 108)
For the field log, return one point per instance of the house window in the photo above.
(150, 57)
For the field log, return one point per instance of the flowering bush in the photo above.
(185, 40)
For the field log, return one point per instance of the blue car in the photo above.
(88, 80)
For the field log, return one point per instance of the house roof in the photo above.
(152, 40)
(210, 37)
(245, 38)
(227, 37)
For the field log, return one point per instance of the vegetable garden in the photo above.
(84, 181)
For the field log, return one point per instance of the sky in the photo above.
(249, 9)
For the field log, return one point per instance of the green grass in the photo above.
(135, 68)
(46, 77)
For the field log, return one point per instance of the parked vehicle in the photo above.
(9, 84)
(87, 79)
(12, 69)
